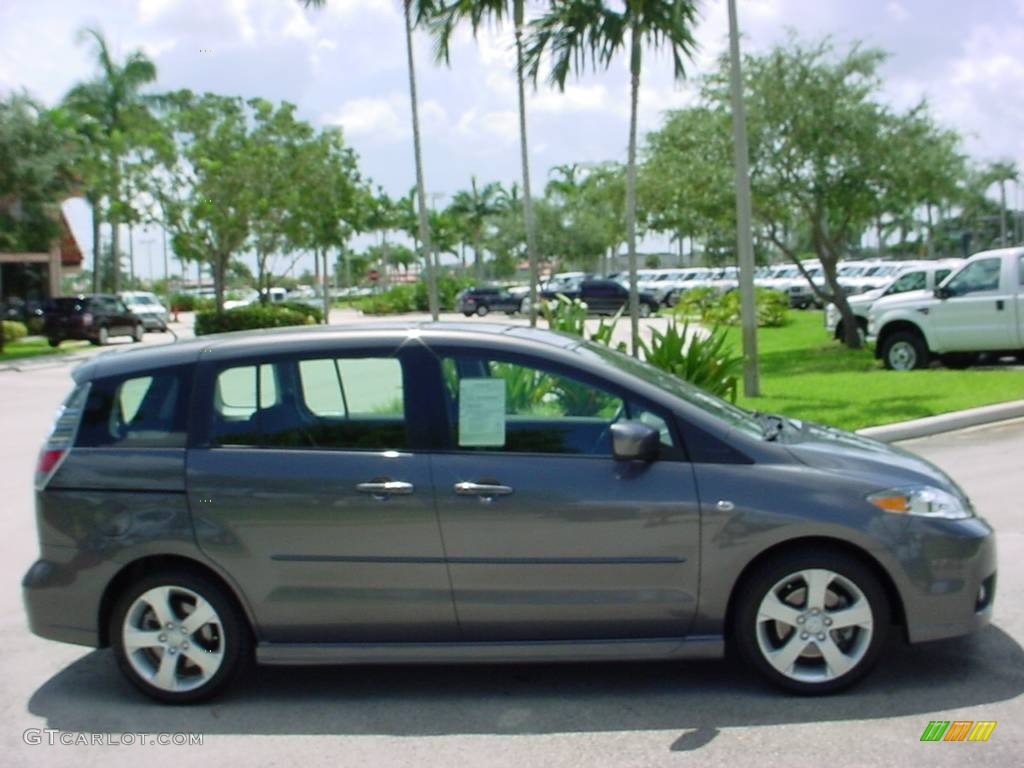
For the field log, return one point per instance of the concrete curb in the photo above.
(945, 422)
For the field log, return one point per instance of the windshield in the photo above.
(714, 406)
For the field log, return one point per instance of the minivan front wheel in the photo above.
(812, 623)
(178, 637)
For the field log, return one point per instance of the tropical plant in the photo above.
(575, 31)
(1001, 172)
(772, 308)
(114, 103)
(476, 12)
(703, 359)
(476, 206)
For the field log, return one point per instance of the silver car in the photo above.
(435, 493)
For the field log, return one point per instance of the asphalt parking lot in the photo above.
(610, 714)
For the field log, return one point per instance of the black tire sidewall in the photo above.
(237, 638)
(769, 573)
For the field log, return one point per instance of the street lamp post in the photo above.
(744, 238)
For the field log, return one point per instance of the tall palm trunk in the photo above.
(478, 257)
(115, 254)
(531, 238)
(421, 192)
(1002, 216)
(634, 99)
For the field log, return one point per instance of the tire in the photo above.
(225, 637)
(137, 333)
(644, 310)
(672, 299)
(958, 361)
(905, 351)
(482, 310)
(102, 336)
(809, 655)
(53, 342)
(468, 314)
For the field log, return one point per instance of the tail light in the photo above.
(61, 436)
(86, 318)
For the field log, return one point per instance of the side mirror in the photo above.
(634, 441)
(942, 293)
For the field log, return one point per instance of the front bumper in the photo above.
(949, 578)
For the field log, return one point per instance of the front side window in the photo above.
(1020, 269)
(325, 403)
(137, 412)
(514, 407)
(978, 276)
(910, 281)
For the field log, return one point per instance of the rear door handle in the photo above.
(382, 489)
(1000, 304)
(486, 491)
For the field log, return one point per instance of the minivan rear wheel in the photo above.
(812, 622)
(178, 637)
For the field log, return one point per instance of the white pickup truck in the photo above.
(979, 308)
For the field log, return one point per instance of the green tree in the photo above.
(415, 12)
(476, 13)
(1000, 173)
(575, 31)
(476, 206)
(114, 100)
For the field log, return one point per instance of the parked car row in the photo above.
(99, 317)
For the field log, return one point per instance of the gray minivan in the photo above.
(410, 493)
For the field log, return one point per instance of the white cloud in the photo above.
(502, 125)
(239, 10)
(897, 11)
(387, 118)
(151, 9)
(377, 117)
(575, 98)
(345, 9)
(153, 48)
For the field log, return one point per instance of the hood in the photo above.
(848, 453)
(864, 299)
(909, 299)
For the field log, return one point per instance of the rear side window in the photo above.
(327, 403)
(147, 411)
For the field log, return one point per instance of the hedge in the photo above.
(14, 330)
(254, 316)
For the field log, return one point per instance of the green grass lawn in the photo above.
(33, 346)
(806, 375)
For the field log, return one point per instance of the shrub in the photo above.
(696, 301)
(311, 310)
(186, 302)
(701, 360)
(14, 330)
(253, 316)
(772, 309)
(35, 325)
(395, 300)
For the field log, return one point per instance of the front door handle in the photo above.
(383, 489)
(1000, 305)
(486, 491)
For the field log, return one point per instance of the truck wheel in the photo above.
(905, 351)
(959, 360)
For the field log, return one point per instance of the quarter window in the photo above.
(138, 412)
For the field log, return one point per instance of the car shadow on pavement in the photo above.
(692, 701)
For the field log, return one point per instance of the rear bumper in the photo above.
(62, 598)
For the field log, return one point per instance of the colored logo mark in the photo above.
(958, 730)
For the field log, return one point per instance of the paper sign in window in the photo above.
(481, 412)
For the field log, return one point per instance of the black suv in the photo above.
(95, 318)
(480, 301)
(606, 297)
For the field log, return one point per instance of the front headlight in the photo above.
(922, 500)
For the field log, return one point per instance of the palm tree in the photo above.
(1000, 173)
(575, 31)
(416, 12)
(475, 207)
(476, 12)
(114, 101)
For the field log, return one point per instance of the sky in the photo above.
(345, 65)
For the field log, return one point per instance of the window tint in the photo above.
(354, 403)
(138, 412)
(981, 275)
(518, 408)
(1020, 269)
(941, 274)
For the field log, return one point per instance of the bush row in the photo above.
(255, 316)
(413, 297)
(714, 309)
